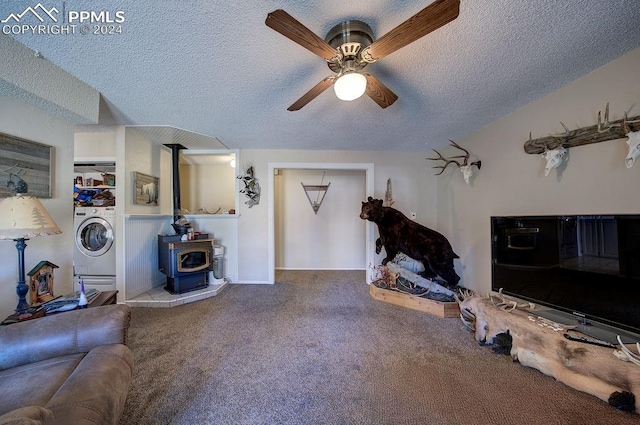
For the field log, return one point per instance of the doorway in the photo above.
(368, 169)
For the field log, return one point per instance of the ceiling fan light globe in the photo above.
(350, 86)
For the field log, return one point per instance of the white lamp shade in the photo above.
(24, 216)
(350, 86)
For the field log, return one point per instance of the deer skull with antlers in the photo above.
(465, 167)
(553, 157)
(633, 142)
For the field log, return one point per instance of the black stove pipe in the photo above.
(175, 173)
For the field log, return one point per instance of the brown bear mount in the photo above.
(399, 234)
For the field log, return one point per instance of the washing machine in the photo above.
(94, 257)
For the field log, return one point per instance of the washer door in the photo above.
(94, 237)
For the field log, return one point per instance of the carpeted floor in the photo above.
(315, 348)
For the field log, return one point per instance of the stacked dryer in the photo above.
(94, 255)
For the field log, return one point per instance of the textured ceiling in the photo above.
(215, 68)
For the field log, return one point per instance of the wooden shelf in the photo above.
(102, 186)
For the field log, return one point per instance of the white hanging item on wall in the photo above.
(321, 191)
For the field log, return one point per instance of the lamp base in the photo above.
(23, 305)
(22, 288)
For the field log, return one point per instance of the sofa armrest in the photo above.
(72, 332)
(29, 415)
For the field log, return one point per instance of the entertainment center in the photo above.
(579, 270)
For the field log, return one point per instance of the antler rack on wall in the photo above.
(601, 132)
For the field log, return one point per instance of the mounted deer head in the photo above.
(465, 167)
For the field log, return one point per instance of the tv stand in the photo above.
(586, 326)
(540, 343)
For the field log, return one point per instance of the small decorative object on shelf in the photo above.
(82, 302)
(109, 179)
(77, 299)
(41, 282)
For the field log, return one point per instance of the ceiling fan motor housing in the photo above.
(349, 37)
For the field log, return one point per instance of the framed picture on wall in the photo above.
(145, 190)
(25, 167)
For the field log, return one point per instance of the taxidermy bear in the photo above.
(399, 234)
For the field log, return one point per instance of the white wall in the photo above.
(593, 181)
(209, 186)
(144, 156)
(414, 189)
(93, 146)
(334, 238)
(19, 119)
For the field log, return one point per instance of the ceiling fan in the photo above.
(349, 47)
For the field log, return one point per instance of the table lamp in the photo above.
(24, 217)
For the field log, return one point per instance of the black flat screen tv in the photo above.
(584, 265)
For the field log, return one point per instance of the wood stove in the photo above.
(186, 263)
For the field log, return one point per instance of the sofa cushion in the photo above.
(28, 415)
(34, 384)
(96, 390)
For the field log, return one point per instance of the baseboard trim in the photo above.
(319, 269)
(252, 282)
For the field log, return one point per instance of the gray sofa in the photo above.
(69, 368)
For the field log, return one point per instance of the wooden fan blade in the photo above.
(287, 25)
(377, 91)
(429, 19)
(312, 94)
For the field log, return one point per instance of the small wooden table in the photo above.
(105, 298)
